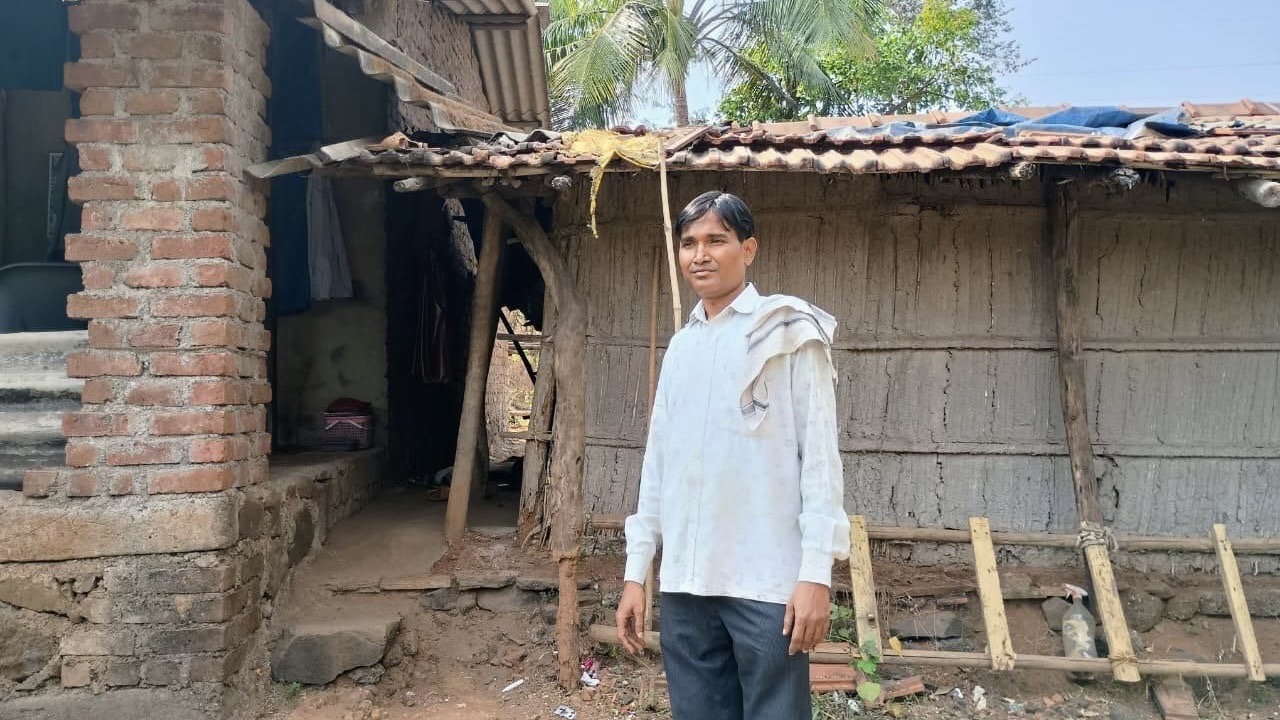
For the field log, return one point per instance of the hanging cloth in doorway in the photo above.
(326, 249)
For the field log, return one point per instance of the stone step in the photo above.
(316, 652)
(15, 464)
(19, 388)
(30, 428)
(40, 351)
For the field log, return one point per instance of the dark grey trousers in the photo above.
(726, 659)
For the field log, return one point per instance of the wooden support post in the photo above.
(471, 425)
(669, 239)
(999, 645)
(1065, 238)
(1063, 231)
(569, 433)
(532, 523)
(1239, 606)
(866, 616)
(651, 577)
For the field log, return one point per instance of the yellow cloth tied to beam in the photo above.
(639, 150)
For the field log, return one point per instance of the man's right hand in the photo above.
(630, 617)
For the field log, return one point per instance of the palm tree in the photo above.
(603, 52)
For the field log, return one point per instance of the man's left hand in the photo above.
(808, 616)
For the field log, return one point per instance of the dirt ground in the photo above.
(459, 665)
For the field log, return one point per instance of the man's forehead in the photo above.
(709, 224)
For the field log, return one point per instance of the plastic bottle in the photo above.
(1078, 640)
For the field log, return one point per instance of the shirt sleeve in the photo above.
(644, 528)
(824, 524)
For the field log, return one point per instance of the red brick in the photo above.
(214, 220)
(95, 159)
(38, 483)
(214, 158)
(189, 19)
(152, 46)
(146, 454)
(261, 393)
(155, 394)
(100, 130)
(193, 480)
(96, 46)
(220, 392)
(190, 74)
(258, 471)
(183, 247)
(166, 191)
(80, 76)
(96, 391)
(103, 335)
(80, 454)
(251, 420)
(153, 157)
(97, 276)
(86, 305)
(221, 274)
(98, 102)
(213, 47)
(187, 364)
(94, 424)
(97, 216)
(100, 247)
(84, 188)
(218, 186)
(195, 423)
(208, 102)
(152, 103)
(219, 450)
(262, 444)
(155, 335)
(121, 484)
(195, 130)
(87, 18)
(153, 276)
(152, 219)
(214, 304)
(217, 333)
(88, 364)
(82, 483)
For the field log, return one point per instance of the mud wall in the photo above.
(948, 386)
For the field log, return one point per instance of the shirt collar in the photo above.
(745, 304)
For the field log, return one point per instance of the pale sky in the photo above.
(1120, 52)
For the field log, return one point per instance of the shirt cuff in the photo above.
(815, 567)
(638, 567)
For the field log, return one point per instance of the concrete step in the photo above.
(19, 388)
(14, 464)
(30, 428)
(39, 352)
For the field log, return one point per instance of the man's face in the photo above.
(713, 259)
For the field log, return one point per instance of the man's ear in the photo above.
(749, 248)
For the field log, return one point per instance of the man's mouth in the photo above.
(702, 273)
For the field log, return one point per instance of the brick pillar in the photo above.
(172, 250)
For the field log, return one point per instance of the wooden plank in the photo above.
(651, 577)
(466, 459)
(366, 38)
(999, 645)
(1239, 606)
(1174, 699)
(866, 616)
(1107, 599)
(1064, 235)
(842, 653)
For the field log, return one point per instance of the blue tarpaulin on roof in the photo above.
(1105, 120)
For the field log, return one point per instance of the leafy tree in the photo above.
(604, 54)
(931, 54)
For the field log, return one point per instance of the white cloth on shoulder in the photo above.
(783, 325)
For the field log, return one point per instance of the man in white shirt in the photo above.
(742, 485)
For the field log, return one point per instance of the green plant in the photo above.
(291, 692)
(842, 625)
(869, 665)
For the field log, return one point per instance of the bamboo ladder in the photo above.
(1000, 654)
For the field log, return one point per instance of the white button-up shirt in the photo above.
(739, 512)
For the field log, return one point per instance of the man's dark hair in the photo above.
(731, 210)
